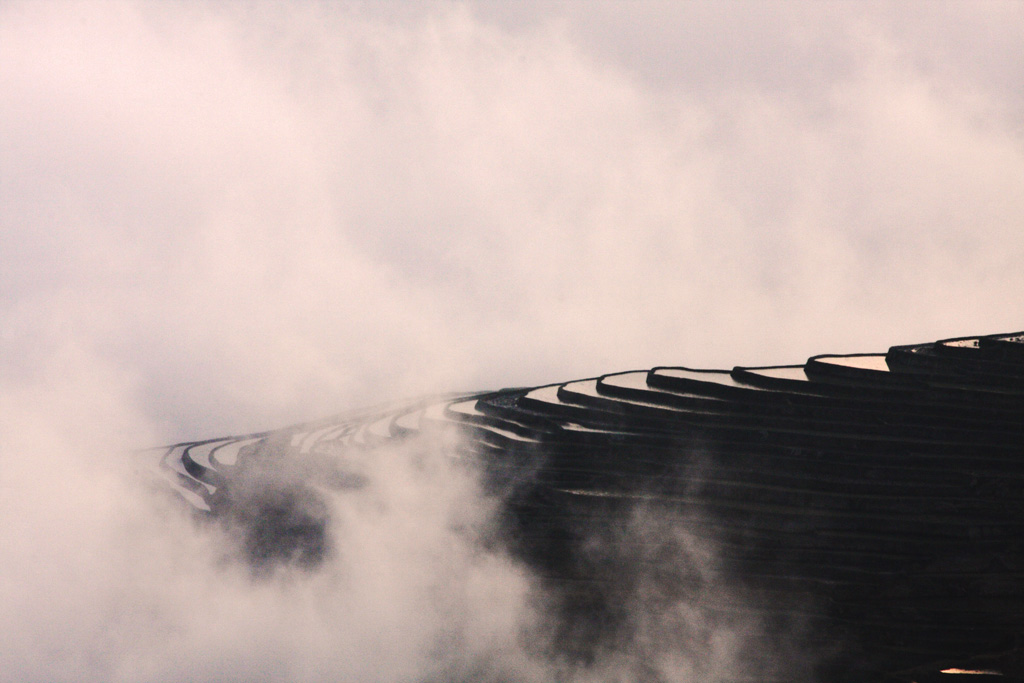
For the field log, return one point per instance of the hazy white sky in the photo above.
(250, 214)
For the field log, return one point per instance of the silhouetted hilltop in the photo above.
(868, 506)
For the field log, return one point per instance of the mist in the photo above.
(223, 218)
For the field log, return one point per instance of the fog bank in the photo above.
(223, 218)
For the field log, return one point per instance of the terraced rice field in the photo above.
(874, 500)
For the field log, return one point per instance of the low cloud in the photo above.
(391, 563)
(108, 578)
(268, 215)
(223, 219)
